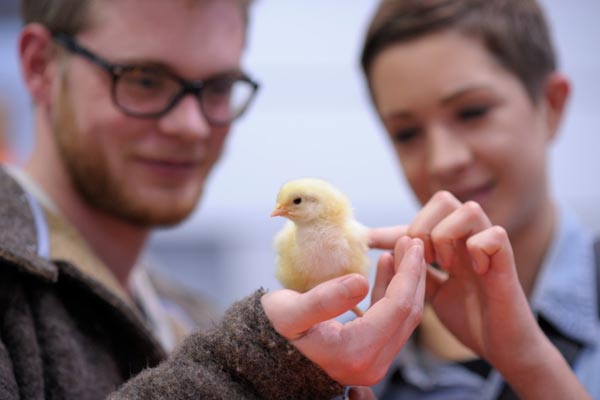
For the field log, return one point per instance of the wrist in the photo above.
(529, 372)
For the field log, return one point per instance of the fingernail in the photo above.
(354, 284)
(354, 394)
(416, 250)
(360, 393)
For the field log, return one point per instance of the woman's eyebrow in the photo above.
(463, 92)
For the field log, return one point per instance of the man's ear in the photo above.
(555, 96)
(38, 61)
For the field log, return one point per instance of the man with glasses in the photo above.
(133, 101)
(151, 92)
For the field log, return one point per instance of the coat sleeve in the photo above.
(9, 388)
(241, 358)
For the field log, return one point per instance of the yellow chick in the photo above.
(321, 240)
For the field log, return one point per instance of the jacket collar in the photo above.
(31, 236)
(22, 223)
(565, 292)
(58, 240)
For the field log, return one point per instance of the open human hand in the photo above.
(358, 352)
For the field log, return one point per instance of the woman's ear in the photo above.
(555, 96)
(38, 61)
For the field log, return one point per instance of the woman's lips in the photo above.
(480, 193)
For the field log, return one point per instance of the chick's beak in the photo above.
(279, 211)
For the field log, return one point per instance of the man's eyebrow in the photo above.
(161, 66)
(142, 63)
(226, 73)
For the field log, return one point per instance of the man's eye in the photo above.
(220, 87)
(405, 135)
(147, 82)
(469, 113)
(144, 80)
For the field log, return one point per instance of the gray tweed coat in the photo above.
(64, 336)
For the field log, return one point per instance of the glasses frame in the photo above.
(194, 88)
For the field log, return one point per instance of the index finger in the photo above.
(399, 309)
(385, 238)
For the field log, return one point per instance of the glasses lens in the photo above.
(225, 99)
(145, 91)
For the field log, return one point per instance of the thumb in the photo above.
(435, 279)
(292, 314)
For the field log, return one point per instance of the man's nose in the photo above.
(186, 119)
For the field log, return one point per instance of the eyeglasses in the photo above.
(151, 92)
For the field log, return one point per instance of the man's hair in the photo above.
(67, 16)
(515, 32)
(72, 16)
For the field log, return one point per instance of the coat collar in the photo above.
(55, 238)
(22, 223)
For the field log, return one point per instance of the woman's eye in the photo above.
(405, 135)
(469, 113)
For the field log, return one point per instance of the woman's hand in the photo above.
(477, 295)
(476, 292)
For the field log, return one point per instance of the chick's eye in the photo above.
(297, 200)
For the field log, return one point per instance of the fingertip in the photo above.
(385, 257)
(356, 286)
(386, 263)
(416, 248)
(401, 246)
(372, 238)
(418, 241)
(385, 237)
(385, 273)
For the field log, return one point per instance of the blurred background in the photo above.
(313, 118)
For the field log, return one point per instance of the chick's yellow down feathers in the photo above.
(321, 239)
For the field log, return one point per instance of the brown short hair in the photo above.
(515, 32)
(67, 16)
(72, 16)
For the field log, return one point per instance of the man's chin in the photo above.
(149, 218)
(151, 212)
